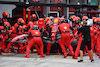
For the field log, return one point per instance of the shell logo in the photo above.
(26, 16)
(45, 19)
(49, 21)
(65, 27)
(75, 33)
(36, 32)
(13, 28)
(81, 23)
(91, 28)
(55, 20)
(41, 19)
(8, 25)
(18, 19)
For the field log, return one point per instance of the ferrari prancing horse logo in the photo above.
(36, 32)
(65, 27)
(55, 20)
(91, 28)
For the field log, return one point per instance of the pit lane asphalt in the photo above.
(54, 60)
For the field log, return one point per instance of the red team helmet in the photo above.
(33, 15)
(5, 13)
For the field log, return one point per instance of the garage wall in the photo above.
(76, 1)
(11, 0)
(8, 8)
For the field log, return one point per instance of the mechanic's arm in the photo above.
(29, 35)
(59, 30)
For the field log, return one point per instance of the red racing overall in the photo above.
(98, 40)
(36, 46)
(65, 37)
(35, 40)
(14, 33)
(1, 37)
(92, 33)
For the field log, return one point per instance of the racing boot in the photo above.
(0, 52)
(32, 51)
(47, 53)
(65, 55)
(48, 48)
(74, 57)
(71, 53)
(42, 56)
(26, 56)
(57, 51)
(21, 51)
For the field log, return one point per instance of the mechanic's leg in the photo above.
(8, 47)
(88, 51)
(40, 43)
(81, 54)
(21, 45)
(28, 47)
(81, 50)
(48, 48)
(78, 48)
(38, 50)
(0, 48)
(63, 45)
(69, 45)
(4, 45)
(92, 43)
(91, 53)
(32, 48)
(98, 45)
